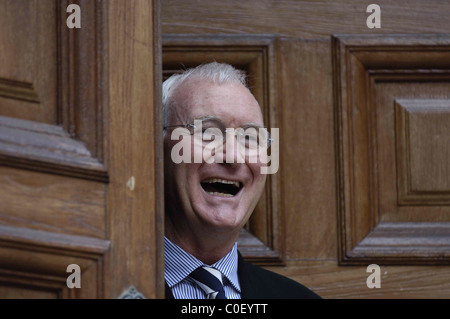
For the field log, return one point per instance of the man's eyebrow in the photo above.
(215, 118)
(208, 118)
(253, 125)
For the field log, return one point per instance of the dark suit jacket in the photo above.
(258, 283)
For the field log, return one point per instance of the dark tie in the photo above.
(210, 281)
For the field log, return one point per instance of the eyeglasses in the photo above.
(208, 130)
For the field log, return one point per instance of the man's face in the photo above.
(200, 195)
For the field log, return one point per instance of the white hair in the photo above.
(219, 73)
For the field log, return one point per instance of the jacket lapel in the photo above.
(169, 294)
(245, 279)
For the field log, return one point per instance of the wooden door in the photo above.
(80, 150)
(364, 119)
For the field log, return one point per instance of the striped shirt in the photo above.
(179, 264)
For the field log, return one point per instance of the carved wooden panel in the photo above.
(392, 97)
(311, 211)
(260, 241)
(50, 92)
(28, 76)
(33, 264)
(423, 145)
(50, 125)
(52, 203)
(79, 113)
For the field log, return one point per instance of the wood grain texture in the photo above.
(307, 154)
(33, 264)
(52, 203)
(28, 54)
(46, 148)
(18, 90)
(423, 138)
(18, 292)
(331, 281)
(134, 221)
(80, 96)
(47, 241)
(58, 85)
(301, 19)
(52, 214)
(366, 113)
(79, 106)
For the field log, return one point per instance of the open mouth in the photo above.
(221, 187)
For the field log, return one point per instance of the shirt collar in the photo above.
(179, 264)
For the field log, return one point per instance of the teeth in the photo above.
(220, 194)
(217, 180)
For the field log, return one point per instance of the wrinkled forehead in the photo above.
(232, 103)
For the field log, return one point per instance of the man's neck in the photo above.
(209, 248)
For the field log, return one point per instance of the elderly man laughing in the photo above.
(209, 201)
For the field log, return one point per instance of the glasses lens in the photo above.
(252, 138)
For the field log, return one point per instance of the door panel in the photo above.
(28, 77)
(392, 98)
(363, 126)
(259, 240)
(80, 149)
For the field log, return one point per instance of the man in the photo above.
(209, 201)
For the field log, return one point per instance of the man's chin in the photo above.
(222, 219)
(221, 213)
